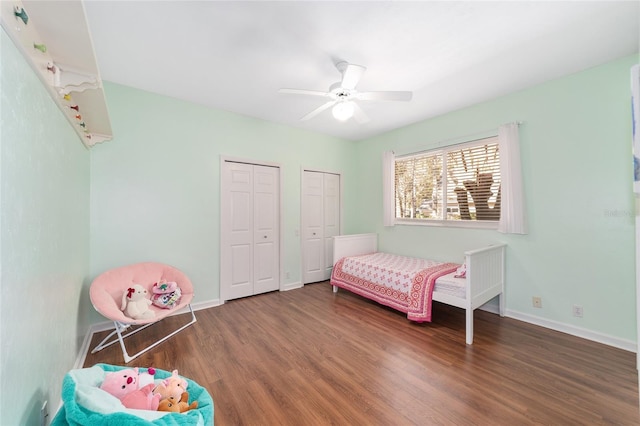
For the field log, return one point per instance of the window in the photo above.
(457, 183)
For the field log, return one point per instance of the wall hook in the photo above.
(40, 47)
(21, 13)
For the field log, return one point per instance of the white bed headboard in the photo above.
(354, 245)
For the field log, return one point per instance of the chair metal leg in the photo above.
(121, 327)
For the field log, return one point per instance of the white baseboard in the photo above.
(616, 342)
(201, 305)
(291, 286)
(84, 349)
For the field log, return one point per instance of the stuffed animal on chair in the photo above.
(166, 295)
(135, 303)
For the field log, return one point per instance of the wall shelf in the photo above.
(54, 38)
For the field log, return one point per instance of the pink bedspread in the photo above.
(403, 283)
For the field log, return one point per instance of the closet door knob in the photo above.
(264, 236)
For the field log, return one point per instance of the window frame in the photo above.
(442, 150)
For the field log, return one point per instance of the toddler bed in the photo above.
(410, 285)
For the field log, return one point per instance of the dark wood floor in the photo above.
(311, 357)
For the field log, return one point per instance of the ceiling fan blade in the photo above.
(318, 110)
(359, 114)
(305, 92)
(351, 75)
(384, 96)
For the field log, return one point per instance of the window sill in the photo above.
(468, 224)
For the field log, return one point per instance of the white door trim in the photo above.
(225, 158)
(341, 213)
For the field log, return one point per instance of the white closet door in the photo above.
(320, 223)
(250, 230)
(266, 229)
(236, 269)
(313, 227)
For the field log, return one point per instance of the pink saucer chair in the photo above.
(106, 296)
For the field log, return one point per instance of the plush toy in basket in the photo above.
(132, 388)
(171, 387)
(112, 395)
(140, 391)
(181, 406)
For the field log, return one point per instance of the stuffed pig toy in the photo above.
(133, 389)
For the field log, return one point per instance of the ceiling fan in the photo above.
(343, 95)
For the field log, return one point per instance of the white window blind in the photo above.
(417, 180)
(456, 183)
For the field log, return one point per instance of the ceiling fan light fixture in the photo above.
(343, 111)
(344, 99)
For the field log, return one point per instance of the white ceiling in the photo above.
(236, 55)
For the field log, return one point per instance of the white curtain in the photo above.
(512, 210)
(635, 122)
(388, 188)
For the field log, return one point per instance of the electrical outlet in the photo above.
(44, 413)
(537, 302)
(577, 311)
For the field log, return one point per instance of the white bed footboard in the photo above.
(485, 273)
(485, 280)
(485, 268)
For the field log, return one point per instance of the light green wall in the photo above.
(577, 172)
(155, 188)
(44, 240)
